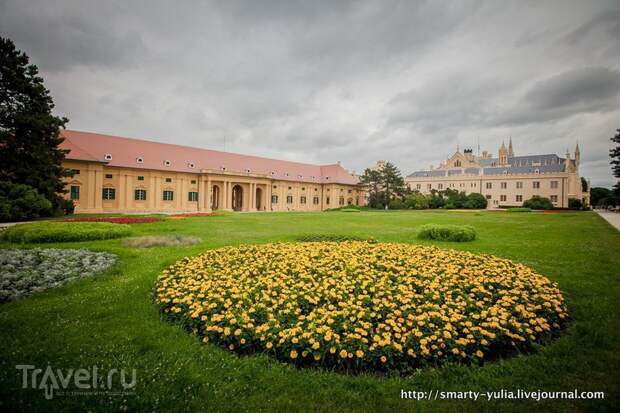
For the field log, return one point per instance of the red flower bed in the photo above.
(116, 220)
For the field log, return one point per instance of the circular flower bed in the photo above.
(359, 305)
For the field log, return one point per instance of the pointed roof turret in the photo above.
(511, 152)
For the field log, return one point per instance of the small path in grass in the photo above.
(612, 217)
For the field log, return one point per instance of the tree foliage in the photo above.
(384, 185)
(538, 202)
(29, 132)
(614, 153)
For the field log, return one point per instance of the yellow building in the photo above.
(506, 180)
(115, 174)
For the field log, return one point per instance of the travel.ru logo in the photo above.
(69, 382)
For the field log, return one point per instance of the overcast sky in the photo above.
(320, 82)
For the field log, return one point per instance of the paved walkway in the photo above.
(612, 217)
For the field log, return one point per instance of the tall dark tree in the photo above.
(393, 182)
(29, 132)
(371, 180)
(614, 153)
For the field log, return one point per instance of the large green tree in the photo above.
(393, 182)
(29, 132)
(371, 180)
(384, 184)
(614, 153)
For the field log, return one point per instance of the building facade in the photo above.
(506, 180)
(115, 174)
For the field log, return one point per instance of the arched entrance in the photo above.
(259, 199)
(237, 198)
(215, 197)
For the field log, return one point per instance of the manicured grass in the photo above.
(110, 321)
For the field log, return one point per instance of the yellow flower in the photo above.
(293, 354)
(343, 354)
(383, 359)
(359, 354)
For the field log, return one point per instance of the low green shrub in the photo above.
(49, 231)
(455, 233)
(538, 202)
(331, 237)
(349, 210)
(161, 241)
(519, 209)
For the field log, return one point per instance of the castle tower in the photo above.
(511, 152)
(577, 155)
(503, 155)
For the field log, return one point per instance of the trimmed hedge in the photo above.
(47, 231)
(455, 233)
(519, 209)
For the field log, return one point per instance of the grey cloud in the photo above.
(321, 81)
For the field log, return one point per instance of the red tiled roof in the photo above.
(126, 152)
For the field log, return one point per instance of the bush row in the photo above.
(49, 231)
(455, 233)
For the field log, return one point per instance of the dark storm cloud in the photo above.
(323, 81)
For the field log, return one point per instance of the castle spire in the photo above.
(511, 152)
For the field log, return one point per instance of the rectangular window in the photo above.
(109, 193)
(341, 200)
(439, 186)
(192, 196)
(554, 198)
(315, 200)
(289, 199)
(140, 178)
(139, 195)
(502, 198)
(302, 200)
(519, 185)
(168, 195)
(554, 184)
(168, 179)
(274, 199)
(536, 184)
(488, 196)
(349, 191)
(75, 192)
(519, 198)
(489, 185)
(327, 200)
(429, 186)
(193, 182)
(108, 176)
(418, 186)
(504, 185)
(75, 171)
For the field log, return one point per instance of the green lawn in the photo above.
(111, 322)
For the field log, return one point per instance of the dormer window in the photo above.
(273, 173)
(247, 171)
(536, 171)
(191, 165)
(223, 168)
(300, 176)
(107, 156)
(140, 159)
(167, 163)
(286, 174)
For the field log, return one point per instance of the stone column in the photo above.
(201, 193)
(252, 201)
(207, 196)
